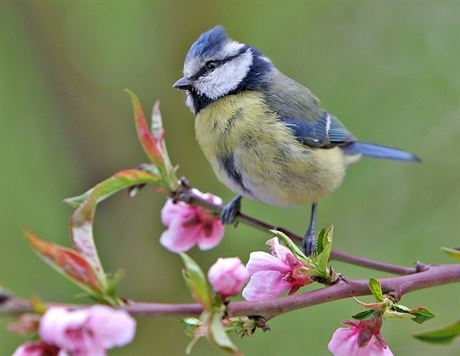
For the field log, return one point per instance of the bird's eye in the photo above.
(211, 65)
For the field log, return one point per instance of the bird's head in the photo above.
(216, 65)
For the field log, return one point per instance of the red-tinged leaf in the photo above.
(81, 223)
(119, 181)
(81, 230)
(151, 146)
(157, 123)
(68, 262)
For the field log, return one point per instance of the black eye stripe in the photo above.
(203, 70)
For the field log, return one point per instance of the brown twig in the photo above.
(187, 195)
(435, 275)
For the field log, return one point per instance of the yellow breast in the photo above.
(257, 156)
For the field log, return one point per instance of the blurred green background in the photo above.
(388, 69)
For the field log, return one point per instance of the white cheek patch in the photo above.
(225, 78)
(189, 102)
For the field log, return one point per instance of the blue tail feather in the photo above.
(378, 151)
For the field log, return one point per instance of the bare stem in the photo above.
(435, 275)
(187, 195)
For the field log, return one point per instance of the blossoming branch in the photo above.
(192, 218)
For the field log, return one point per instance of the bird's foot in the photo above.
(309, 243)
(231, 211)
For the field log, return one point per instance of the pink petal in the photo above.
(173, 211)
(262, 261)
(344, 342)
(265, 285)
(55, 323)
(36, 348)
(208, 196)
(227, 276)
(206, 242)
(180, 238)
(110, 327)
(279, 251)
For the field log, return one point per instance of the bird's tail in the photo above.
(378, 151)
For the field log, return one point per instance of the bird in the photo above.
(265, 135)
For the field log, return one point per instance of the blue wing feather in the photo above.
(378, 151)
(326, 132)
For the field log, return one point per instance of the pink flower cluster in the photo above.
(189, 225)
(227, 276)
(275, 273)
(89, 331)
(362, 339)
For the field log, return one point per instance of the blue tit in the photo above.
(265, 135)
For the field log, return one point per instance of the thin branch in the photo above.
(435, 275)
(187, 195)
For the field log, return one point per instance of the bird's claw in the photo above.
(231, 211)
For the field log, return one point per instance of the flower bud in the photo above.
(227, 276)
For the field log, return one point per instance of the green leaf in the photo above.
(322, 259)
(376, 289)
(452, 252)
(395, 315)
(401, 308)
(376, 306)
(119, 181)
(319, 244)
(421, 315)
(190, 325)
(113, 282)
(443, 336)
(291, 246)
(365, 315)
(67, 262)
(218, 336)
(196, 282)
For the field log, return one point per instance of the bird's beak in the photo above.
(183, 84)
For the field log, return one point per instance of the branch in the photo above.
(435, 275)
(186, 195)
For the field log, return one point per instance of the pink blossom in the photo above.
(363, 338)
(188, 225)
(37, 348)
(272, 275)
(227, 276)
(87, 331)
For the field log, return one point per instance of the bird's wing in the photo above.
(326, 132)
(300, 110)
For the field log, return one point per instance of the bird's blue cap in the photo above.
(209, 43)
